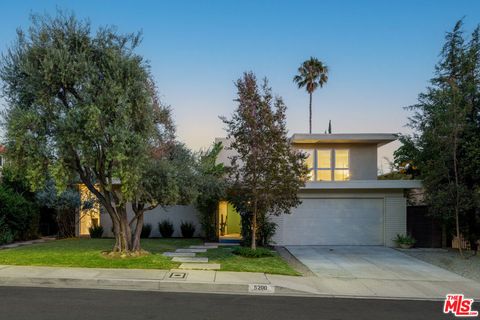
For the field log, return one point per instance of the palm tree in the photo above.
(312, 74)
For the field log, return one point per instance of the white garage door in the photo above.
(334, 222)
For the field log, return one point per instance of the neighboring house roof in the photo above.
(379, 139)
(2, 149)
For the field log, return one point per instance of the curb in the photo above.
(143, 285)
(176, 286)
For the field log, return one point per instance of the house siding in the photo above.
(363, 157)
(395, 219)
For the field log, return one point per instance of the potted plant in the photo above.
(404, 241)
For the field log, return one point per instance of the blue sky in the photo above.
(380, 54)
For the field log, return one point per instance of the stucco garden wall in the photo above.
(175, 214)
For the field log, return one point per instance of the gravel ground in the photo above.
(450, 260)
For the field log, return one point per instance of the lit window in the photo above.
(341, 159)
(310, 162)
(324, 165)
(328, 164)
(324, 159)
(324, 175)
(341, 175)
(341, 170)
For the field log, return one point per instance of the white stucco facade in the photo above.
(175, 214)
(358, 211)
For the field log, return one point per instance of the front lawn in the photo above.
(87, 253)
(231, 262)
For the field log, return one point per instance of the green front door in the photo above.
(233, 220)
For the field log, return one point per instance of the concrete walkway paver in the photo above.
(204, 247)
(191, 259)
(221, 244)
(191, 250)
(179, 254)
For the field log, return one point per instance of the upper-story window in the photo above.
(1, 161)
(328, 164)
(310, 162)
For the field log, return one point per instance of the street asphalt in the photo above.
(51, 304)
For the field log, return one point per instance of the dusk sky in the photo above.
(381, 54)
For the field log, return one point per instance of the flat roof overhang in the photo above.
(379, 139)
(363, 184)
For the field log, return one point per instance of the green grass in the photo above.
(87, 253)
(232, 262)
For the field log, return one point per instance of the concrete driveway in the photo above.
(380, 271)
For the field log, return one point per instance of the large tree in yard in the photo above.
(312, 74)
(212, 185)
(266, 170)
(82, 106)
(445, 144)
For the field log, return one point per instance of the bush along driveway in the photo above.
(87, 253)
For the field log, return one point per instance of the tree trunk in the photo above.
(457, 184)
(138, 231)
(254, 226)
(117, 212)
(310, 118)
(121, 229)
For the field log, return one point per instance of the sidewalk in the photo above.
(230, 282)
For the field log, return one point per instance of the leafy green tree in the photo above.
(444, 147)
(81, 105)
(212, 187)
(169, 179)
(19, 213)
(266, 170)
(312, 74)
(65, 205)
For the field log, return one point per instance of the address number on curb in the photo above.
(261, 288)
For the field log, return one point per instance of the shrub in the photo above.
(65, 206)
(265, 230)
(146, 230)
(20, 214)
(404, 240)
(6, 235)
(95, 231)
(249, 253)
(166, 228)
(188, 229)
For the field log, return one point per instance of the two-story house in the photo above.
(343, 203)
